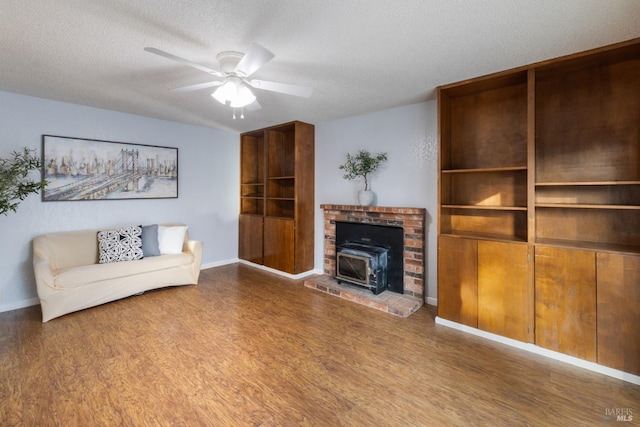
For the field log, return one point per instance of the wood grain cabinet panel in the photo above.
(458, 280)
(279, 244)
(565, 301)
(619, 311)
(250, 238)
(503, 299)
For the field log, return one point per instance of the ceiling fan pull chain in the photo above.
(234, 113)
(242, 113)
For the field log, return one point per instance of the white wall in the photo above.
(408, 178)
(208, 185)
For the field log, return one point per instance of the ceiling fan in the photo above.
(233, 84)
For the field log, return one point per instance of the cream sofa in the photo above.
(69, 278)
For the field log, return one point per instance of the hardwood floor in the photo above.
(250, 348)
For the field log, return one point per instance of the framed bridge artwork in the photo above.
(87, 169)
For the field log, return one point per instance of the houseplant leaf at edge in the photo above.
(15, 185)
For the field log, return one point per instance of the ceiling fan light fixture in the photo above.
(235, 93)
(225, 93)
(243, 97)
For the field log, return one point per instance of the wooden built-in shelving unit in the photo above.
(276, 197)
(539, 204)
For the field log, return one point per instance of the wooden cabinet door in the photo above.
(250, 238)
(458, 280)
(503, 297)
(279, 244)
(565, 306)
(619, 311)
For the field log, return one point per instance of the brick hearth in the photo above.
(412, 221)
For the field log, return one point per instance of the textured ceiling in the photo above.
(359, 56)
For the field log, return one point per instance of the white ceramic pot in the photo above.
(366, 197)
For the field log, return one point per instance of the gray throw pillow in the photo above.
(150, 242)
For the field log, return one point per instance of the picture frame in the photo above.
(90, 169)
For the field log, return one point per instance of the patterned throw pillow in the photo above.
(122, 244)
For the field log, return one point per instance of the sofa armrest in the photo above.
(195, 248)
(42, 271)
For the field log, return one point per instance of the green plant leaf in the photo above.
(361, 165)
(15, 185)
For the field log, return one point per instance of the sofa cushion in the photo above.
(150, 243)
(69, 249)
(171, 239)
(122, 244)
(79, 276)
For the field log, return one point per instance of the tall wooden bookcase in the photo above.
(277, 196)
(539, 204)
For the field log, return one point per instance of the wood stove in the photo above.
(363, 265)
(370, 255)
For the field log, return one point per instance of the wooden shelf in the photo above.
(590, 183)
(252, 214)
(607, 226)
(281, 208)
(593, 246)
(586, 120)
(281, 188)
(586, 206)
(252, 154)
(487, 207)
(252, 190)
(282, 177)
(484, 236)
(289, 218)
(598, 196)
(483, 157)
(483, 170)
(510, 224)
(252, 205)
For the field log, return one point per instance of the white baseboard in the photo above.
(19, 304)
(218, 263)
(281, 273)
(432, 301)
(532, 348)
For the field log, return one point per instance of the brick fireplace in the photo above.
(412, 221)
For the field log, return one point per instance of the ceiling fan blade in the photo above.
(255, 58)
(295, 90)
(197, 87)
(255, 105)
(184, 61)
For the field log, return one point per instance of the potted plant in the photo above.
(361, 165)
(15, 185)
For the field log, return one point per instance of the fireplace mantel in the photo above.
(378, 209)
(411, 220)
